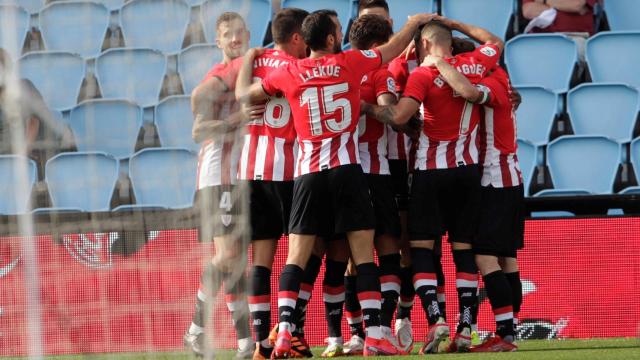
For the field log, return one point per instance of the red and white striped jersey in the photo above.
(218, 158)
(270, 143)
(372, 133)
(448, 139)
(498, 143)
(324, 95)
(399, 143)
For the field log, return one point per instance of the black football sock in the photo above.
(352, 308)
(442, 299)
(425, 282)
(407, 293)
(210, 281)
(466, 284)
(333, 295)
(260, 303)
(368, 286)
(288, 289)
(516, 294)
(309, 277)
(389, 286)
(236, 298)
(499, 293)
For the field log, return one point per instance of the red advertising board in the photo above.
(581, 279)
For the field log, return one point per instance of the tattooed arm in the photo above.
(397, 114)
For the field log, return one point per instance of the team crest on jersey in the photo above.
(92, 250)
(369, 53)
(488, 51)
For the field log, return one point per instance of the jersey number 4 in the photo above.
(310, 97)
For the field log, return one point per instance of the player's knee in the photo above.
(487, 264)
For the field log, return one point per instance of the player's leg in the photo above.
(308, 219)
(463, 202)
(353, 312)
(311, 272)
(437, 259)
(425, 225)
(510, 268)
(496, 238)
(333, 294)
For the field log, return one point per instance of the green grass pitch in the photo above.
(601, 349)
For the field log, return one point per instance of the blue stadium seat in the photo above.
(548, 214)
(400, 10)
(256, 13)
(15, 192)
(155, 24)
(111, 4)
(174, 121)
(81, 181)
(545, 60)
(109, 126)
(623, 14)
(536, 114)
(78, 27)
(14, 29)
(57, 75)
(635, 161)
(582, 165)
(613, 57)
(32, 6)
(194, 62)
(133, 74)
(344, 8)
(603, 109)
(163, 177)
(493, 15)
(528, 160)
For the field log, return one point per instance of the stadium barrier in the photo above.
(134, 292)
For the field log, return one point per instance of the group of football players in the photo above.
(384, 148)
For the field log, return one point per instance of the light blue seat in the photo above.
(603, 109)
(57, 75)
(109, 126)
(163, 177)
(174, 121)
(400, 10)
(15, 190)
(81, 181)
(32, 6)
(613, 57)
(582, 165)
(75, 26)
(194, 62)
(133, 74)
(528, 160)
(547, 214)
(493, 15)
(536, 114)
(623, 14)
(111, 4)
(344, 8)
(155, 24)
(256, 14)
(14, 29)
(545, 60)
(635, 161)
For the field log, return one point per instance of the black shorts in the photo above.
(219, 208)
(400, 177)
(501, 222)
(331, 202)
(444, 200)
(270, 208)
(384, 205)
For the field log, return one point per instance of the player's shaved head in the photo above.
(287, 22)
(437, 32)
(368, 30)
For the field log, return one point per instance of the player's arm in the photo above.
(206, 123)
(401, 40)
(477, 33)
(248, 92)
(458, 82)
(397, 114)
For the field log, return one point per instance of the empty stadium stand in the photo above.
(612, 57)
(174, 120)
(15, 25)
(493, 15)
(536, 114)
(194, 62)
(622, 14)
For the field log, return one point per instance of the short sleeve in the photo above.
(399, 69)
(487, 55)
(276, 81)
(418, 84)
(384, 83)
(362, 62)
(495, 92)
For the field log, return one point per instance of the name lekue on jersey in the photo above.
(321, 71)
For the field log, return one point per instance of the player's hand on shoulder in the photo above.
(431, 61)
